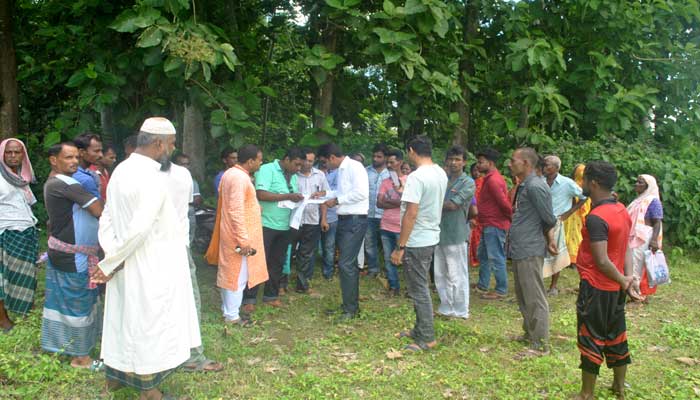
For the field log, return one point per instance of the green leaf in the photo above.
(389, 7)
(52, 138)
(408, 70)
(206, 70)
(391, 54)
(454, 118)
(441, 27)
(351, 3)
(218, 117)
(150, 37)
(414, 7)
(76, 79)
(172, 63)
(336, 4)
(217, 131)
(319, 75)
(268, 91)
(387, 36)
(125, 22)
(153, 57)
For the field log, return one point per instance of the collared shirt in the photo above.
(391, 219)
(66, 202)
(89, 180)
(563, 191)
(332, 212)
(426, 187)
(15, 211)
(353, 188)
(533, 216)
(307, 185)
(270, 178)
(375, 180)
(454, 228)
(495, 208)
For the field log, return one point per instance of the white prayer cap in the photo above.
(158, 126)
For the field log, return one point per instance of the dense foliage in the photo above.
(588, 78)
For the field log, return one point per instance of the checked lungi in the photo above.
(18, 253)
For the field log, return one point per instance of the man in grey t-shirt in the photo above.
(421, 210)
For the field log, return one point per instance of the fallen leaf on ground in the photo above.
(659, 349)
(484, 349)
(253, 361)
(393, 354)
(697, 391)
(271, 369)
(688, 361)
(292, 373)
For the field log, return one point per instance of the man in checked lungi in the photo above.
(71, 319)
(18, 236)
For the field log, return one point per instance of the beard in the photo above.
(165, 163)
(586, 192)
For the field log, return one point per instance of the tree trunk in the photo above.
(9, 97)
(462, 135)
(193, 140)
(107, 125)
(323, 98)
(524, 116)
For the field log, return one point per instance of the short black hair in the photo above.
(82, 141)
(457, 150)
(602, 172)
(179, 156)
(226, 152)
(395, 153)
(130, 142)
(307, 150)
(380, 148)
(472, 167)
(58, 147)
(295, 153)
(489, 154)
(247, 152)
(421, 145)
(107, 147)
(329, 149)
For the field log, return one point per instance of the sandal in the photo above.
(415, 347)
(403, 334)
(204, 366)
(243, 323)
(97, 366)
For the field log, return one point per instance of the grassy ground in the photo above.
(299, 353)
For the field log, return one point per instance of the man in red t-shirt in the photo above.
(605, 267)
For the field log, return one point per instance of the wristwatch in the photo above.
(402, 248)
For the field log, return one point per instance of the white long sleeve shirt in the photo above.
(353, 188)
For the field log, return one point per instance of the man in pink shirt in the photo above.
(495, 213)
(389, 199)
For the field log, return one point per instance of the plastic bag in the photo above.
(657, 269)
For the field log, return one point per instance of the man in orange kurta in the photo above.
(241, 252)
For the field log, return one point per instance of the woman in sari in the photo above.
(573, 224)
(647, 214)
(473, 212)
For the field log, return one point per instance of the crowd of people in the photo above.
(120, 269)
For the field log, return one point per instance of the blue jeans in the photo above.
(328, 249)
(492, 257)
(389, 240)
(351, 231)
(371, 248)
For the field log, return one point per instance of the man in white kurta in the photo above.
(150, 320)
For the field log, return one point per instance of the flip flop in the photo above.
(243, 323)
(403, 334)
(415, 347)
(202, 366)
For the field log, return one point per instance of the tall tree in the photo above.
(9, 98)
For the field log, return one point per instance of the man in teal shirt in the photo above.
(274, 182)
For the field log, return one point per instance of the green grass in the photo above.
(299, 353)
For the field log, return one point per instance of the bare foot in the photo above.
(81, 362)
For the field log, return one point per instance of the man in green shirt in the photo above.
(275, 182)
(452, 253)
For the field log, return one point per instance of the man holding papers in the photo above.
(275, 182)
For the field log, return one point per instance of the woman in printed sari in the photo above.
(647, 214)
(573, 224)
(473, 211)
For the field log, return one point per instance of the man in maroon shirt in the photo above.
(495, 212)
(605, 266)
